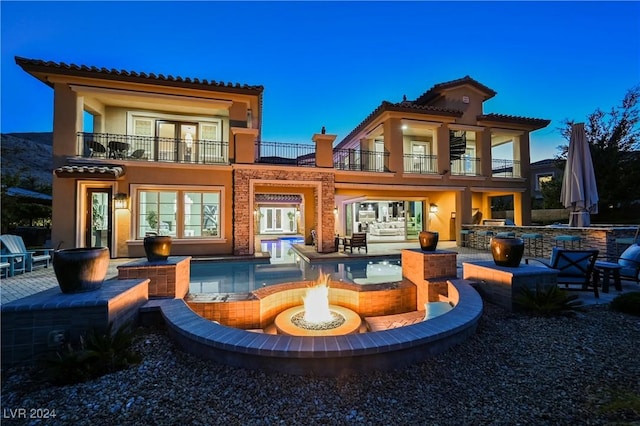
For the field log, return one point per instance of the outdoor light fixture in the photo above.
(297, 211)
(433, 208)
(120, 200)
(335, 210)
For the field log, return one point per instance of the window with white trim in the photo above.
(197, 215)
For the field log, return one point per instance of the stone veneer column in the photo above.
(429, 271)
(324, 149)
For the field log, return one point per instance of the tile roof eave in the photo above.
(386, 106)
(32, 66)
(532, 123)
(436, 90)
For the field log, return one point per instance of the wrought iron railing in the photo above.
(285, 153)
(505, 168)
(356, 159)
(150, 148)
(420, 163)
(466, 166)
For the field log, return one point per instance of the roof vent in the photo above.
(465, 99)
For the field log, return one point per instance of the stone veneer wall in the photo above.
(242, 215)
(371, 300)
(601, 238)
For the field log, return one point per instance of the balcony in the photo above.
(285, 153)
(466, 166)
(420, 164)
(505, 168)
(149, 148)
(359, 160)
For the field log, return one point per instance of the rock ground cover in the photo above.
(516, 369)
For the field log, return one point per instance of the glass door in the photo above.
(98, 218)
(175, 141)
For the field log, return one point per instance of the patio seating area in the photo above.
(17, 259)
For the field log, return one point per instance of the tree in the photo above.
(551, 194)
(614, 141)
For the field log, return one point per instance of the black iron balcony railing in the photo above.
(420, 164)
(149, 148)
(505, 168)
(466, 166)
(285, 153)
(356, 159)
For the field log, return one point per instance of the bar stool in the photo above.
(483, 238)
(465, 237)
(533, 243)
(564, 239)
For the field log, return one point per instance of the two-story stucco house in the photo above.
(137, 153)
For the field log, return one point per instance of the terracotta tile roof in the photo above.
(279, 198)
(36, 65)
(537, 123)
(437, 89)
(104, 171)
(399, 107)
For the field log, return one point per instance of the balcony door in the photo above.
(175, 141)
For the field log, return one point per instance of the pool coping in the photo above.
(324, 355)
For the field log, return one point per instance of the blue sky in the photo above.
(331, 63)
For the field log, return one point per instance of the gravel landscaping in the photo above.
(516, 370)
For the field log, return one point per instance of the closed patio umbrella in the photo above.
(579, 191)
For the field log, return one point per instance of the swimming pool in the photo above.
(286, 266)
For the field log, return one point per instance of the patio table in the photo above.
(607, 268)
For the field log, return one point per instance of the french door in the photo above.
(98, 220)
(175, 141)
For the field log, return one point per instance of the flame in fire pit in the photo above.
(316, 302)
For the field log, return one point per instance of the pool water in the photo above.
(286, 266)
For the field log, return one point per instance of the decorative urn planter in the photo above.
(157, 247)
(428, 240)
(507, 251)
(80, 269)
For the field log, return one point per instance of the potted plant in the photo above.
(80, 269)
(291, 216)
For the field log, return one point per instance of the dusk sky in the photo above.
(332, 63)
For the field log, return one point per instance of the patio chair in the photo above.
(96, 149)
(137, 154)
(357, 240)
(575, 268)
(24, 260)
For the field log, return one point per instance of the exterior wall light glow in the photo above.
(433, 208)
(335, 210)
(121, 200)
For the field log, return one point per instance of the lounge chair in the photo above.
(24, 260)
(137, 154)
(357, 240)
(575, 268)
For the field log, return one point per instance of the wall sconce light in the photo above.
(297, 211)
(335, 210)
(121, 200)
(433, 208)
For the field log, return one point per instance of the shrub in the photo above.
(96, 354)
(547, 301)
(628, 303)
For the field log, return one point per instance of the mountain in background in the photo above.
(28, 155)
